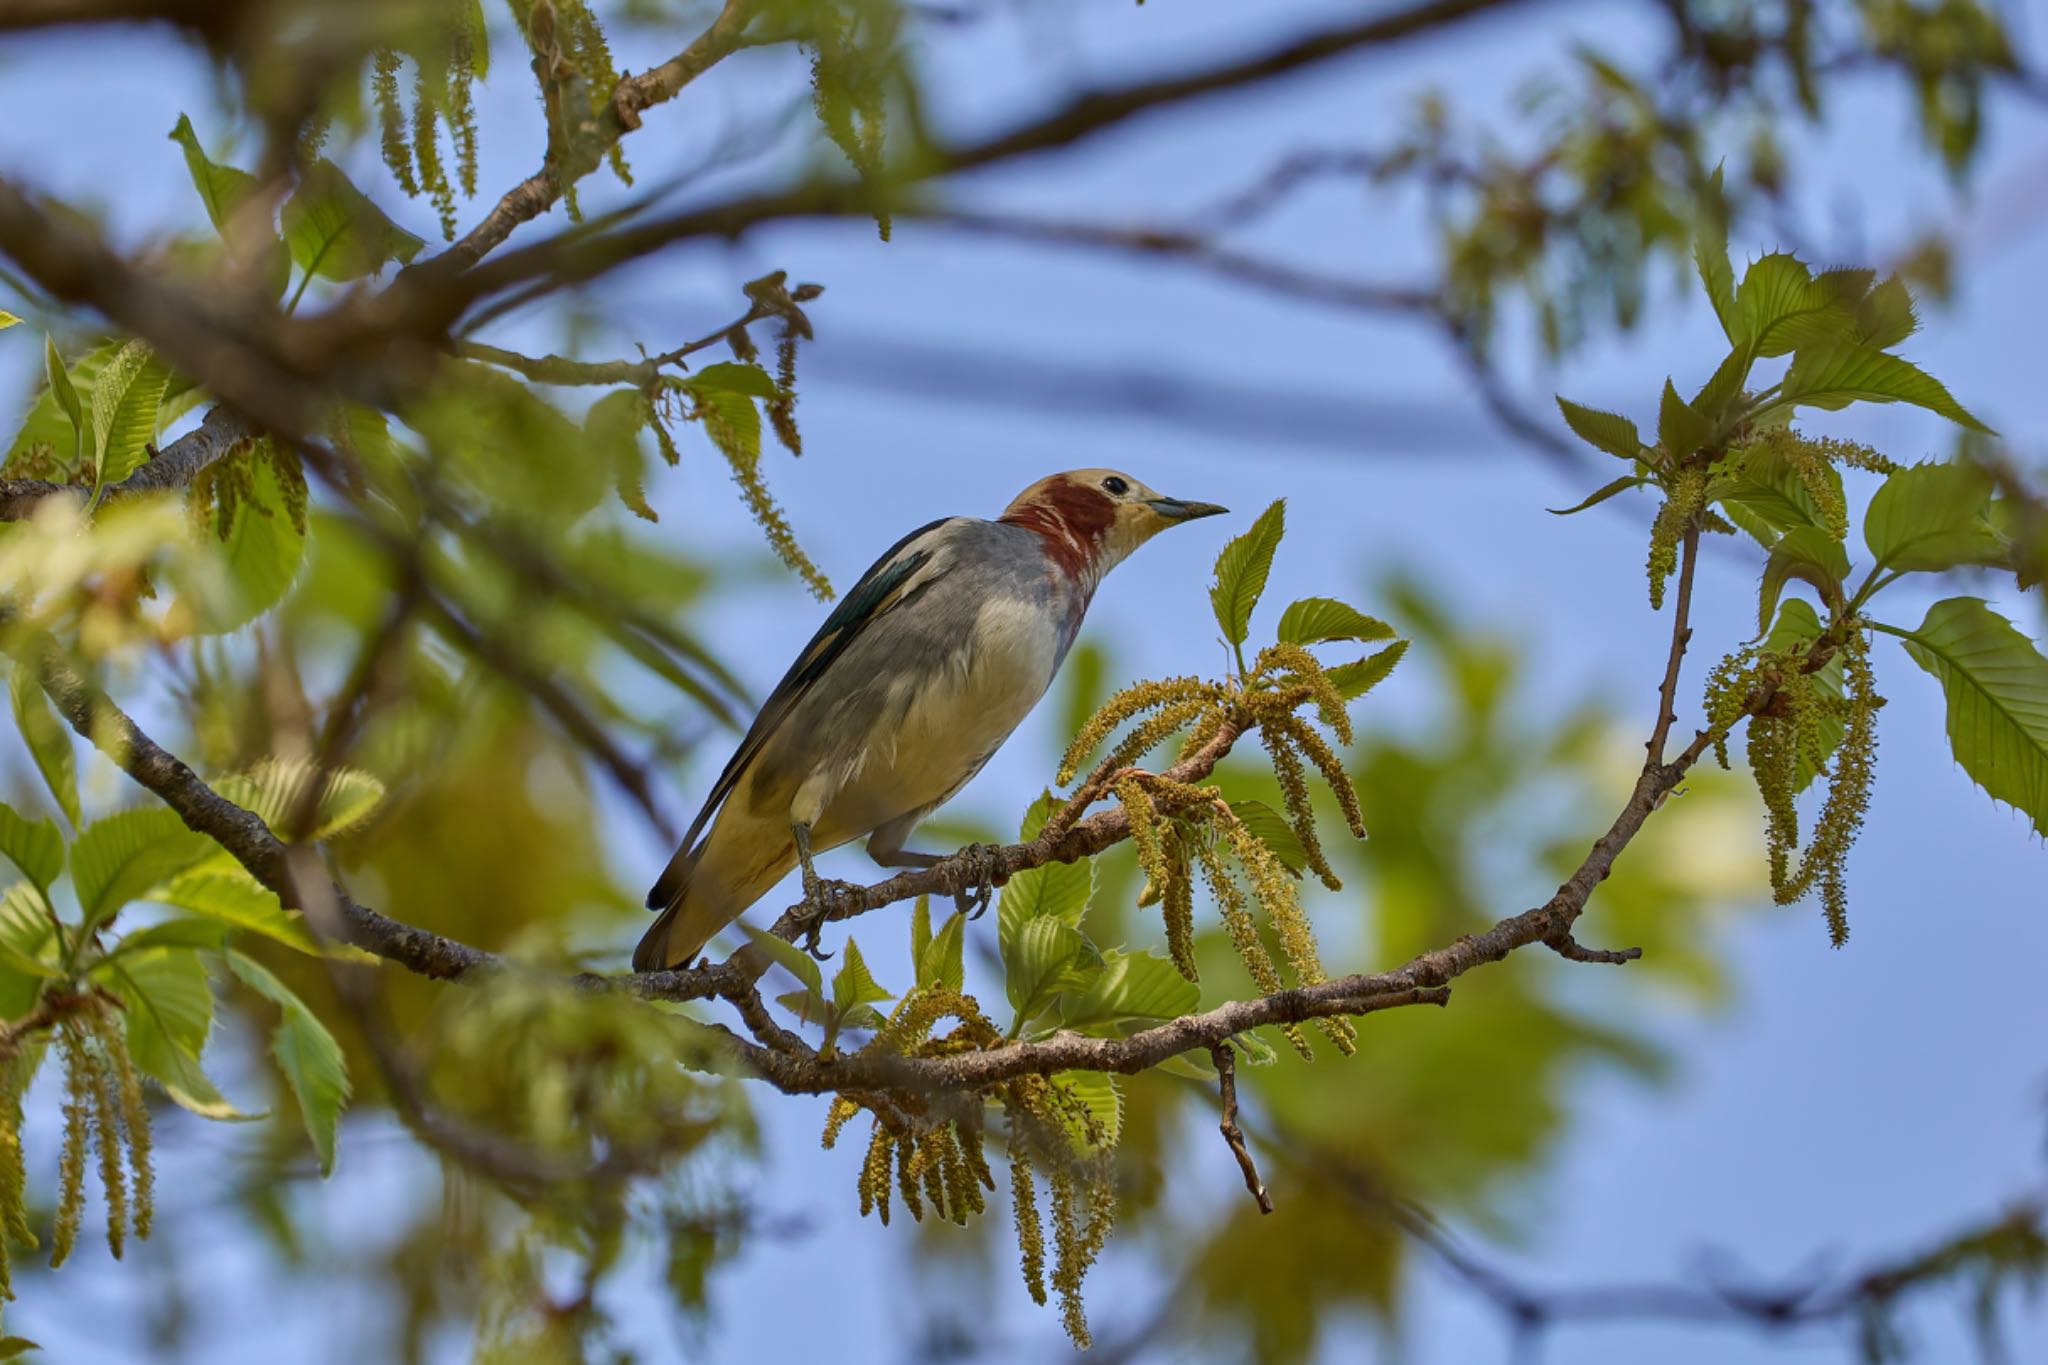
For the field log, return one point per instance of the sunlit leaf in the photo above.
(790, 958)
(1806, 553)
(1129, 988)
(34, 846)
(119, 857)
(1272, 829)
(125, 398)
(1097, 1091)
(1997, 687)
(1836, 375)
(1313, 620)
(1933, 517)
(233, 898)
(1039, 962)
(48, 740)
(1242, 569)
(943, 961)
(853, 984)
(307, 1054)
(1354, 680)
(274, 789)
(1680, 430)
(334, 231)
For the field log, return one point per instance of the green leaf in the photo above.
(335, 232)
(1710, 253)
(1600, 495)
(7, 320)
(1242, 569)
(49, 742)
(1271, 828)
(1039, 962)
(1885, 316)
(612, 426)
(307, 1054)
(1098, 1094)
(60, 384)
(1129, 987)
(1997, 687)
(119, 858)
(920, 931)
(808, 1006)
(1313, 620)
(735, 377)
(274, 788)
(1059, 890)
(231, 897)
(10, 1347)
(1712, 401)
(168, 987)
(1807, 553)
(943, 960)
(1798, 625)
(180, 932)
(125, 399)
(223, 189)
(1837, 375)
(260, 556)
(853, 984)
(1608, 431)
(27, 947)
(1354, 680)
(1680, 430)
(34, 846)
(48, 423)
(1764, 495)
(792, 959)
(1784, 308)
(1933, 517)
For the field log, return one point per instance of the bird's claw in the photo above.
(825, 900)
(982, 864)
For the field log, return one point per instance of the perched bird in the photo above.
(915, 679)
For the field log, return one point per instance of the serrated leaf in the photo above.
(1313, 620)
(853, 984)
(735, 377)
(1764, 495)
(260, 557)
(307, 1054)
(1784, 308)
(1680, 430)
(1710, 254)
(1271, 828)
(1097, 1091)
(1060, 890)
(1129, 988)
(118, 858)
(1039, 962)
(808, 1006)
(943, 961)
(1837, 375)
(1721, 388)
(1885, 316)
(1354, 680)
(1600, 495)
(47, 422)
(34, 846)
(274, 788)
(1933, 517)
(48, 740)
(168, 985)
(27, 942)
(232, 898)
(334, 231)
(790, 958)
(1997, 687)
(1806, 553)
(1242, 570)
(125, 398)
(1608, 431)
(1799, 625)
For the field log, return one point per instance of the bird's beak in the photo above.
(1173, 509)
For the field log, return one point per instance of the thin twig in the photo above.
(1226, 1083)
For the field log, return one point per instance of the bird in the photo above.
(914, 681)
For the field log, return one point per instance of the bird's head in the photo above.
(1091, 518)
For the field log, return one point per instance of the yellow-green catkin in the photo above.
(744, 458)
(1146, 834)
(1178, 896)
(874, 1175)
(1298, 733)
(1848, 798)
(840, 1110)
(134, 1123)
(391, 120)
(1681, 504)
(106, 1122)
(1131, 702)
(1244, 934)
(1774, 763)
(1030, 1232)
(1275, 891)
(906, 1179)
(1296, 662)
(1293, 778)
(782, 408)
(77, 1138)
(15, 1073)
(1729, 685)
(1156, 730)
(426, 150)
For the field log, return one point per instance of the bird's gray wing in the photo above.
(895, 579)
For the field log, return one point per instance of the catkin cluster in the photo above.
(446, 62)
(933, 1158)
(1802, 728)
(105, 1119)
(1684, 500)
(227, 485)
(1178, 827)
(853, 62)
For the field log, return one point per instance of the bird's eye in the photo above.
(1117, 487)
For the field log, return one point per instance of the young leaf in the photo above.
(943, 961)
(274, 788)
(169, 1011)
(261, 555)
(1806, 553)
(1784, 308)
(735, 377)
(1105, 1105)
(335, 232)
(791, 958)
(117, 859)
(49, 424)
(1608, 431)
(48, 740)
(7, 320)
(920, 931)
(235, 899)
(223, 189)
(1354, 680)
(1680, 430)
(1040, 962)
(1600, 495)
(1271, 828)
(1997, 687)
(125, 399)
(612, 426)
(1313, 620)
(60, 384)
(1710, 253)
(1711, 402)
(1836, 375)
(1242, 569)
(182, 932)
(307, 1054)
(1129, 987)
(34, 846)
(1885, 316)
(1933, 517)
(853, 984)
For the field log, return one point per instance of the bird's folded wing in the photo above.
(903, 572)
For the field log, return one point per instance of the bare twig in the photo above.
(1226, 1083)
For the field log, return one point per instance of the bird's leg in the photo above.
(885, 846)
(823, 896)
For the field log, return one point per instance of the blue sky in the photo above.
(1854, 1102)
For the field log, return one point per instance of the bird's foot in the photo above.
(983, 862)
(825, 899)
